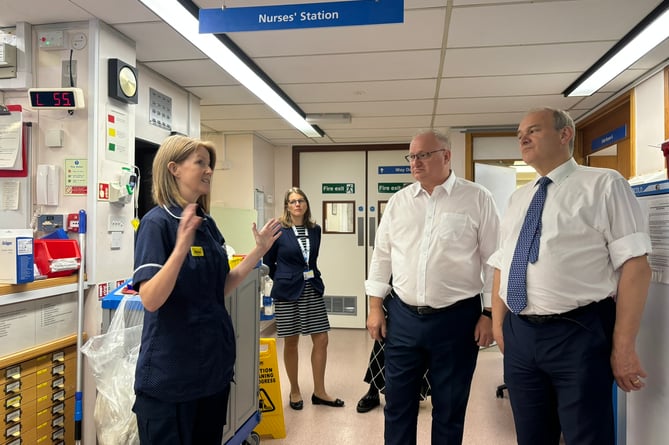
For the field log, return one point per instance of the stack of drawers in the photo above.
(38, 398)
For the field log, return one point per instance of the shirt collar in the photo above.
(447, 185)
(561, 172)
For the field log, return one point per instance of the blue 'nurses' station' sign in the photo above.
(312, 15)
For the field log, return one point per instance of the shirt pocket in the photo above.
(452, 226)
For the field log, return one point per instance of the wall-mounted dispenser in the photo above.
(121, 191)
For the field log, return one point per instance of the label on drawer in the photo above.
(12, 417)
(13, 402)
(13, 387)
(13, 431)
(13, 373)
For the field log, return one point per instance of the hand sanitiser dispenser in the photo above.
(121, 191)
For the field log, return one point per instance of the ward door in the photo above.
(347, 191)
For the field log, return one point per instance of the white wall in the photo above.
(263, 173)
(649, 118)
(185, 107)
(458, 153)
(233, 187)
(283, 176)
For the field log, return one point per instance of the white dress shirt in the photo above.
(435, 246)
(591, 224)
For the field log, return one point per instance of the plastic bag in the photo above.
(112, 357)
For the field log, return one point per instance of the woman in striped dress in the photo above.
(298, 295)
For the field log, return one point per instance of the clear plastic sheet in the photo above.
(112, 356)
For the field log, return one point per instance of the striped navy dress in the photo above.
(306, 315)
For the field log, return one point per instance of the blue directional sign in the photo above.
(393, 169)
(311, 15)
(609, 138)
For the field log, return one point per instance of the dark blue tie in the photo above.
(527, 250)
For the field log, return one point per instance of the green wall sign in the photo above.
(344, 187)
(391, 187)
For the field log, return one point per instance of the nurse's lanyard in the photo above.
(304, 247)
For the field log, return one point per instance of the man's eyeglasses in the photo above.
(421, 156)
(296, 202)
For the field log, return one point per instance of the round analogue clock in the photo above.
(127, 81)
(122, 81)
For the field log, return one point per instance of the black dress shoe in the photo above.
(296, 405)
(368, 402)
(336, 403)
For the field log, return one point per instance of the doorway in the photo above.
(145, 151)
(347, 199)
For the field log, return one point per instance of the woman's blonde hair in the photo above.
(176, 149)
(286, 220)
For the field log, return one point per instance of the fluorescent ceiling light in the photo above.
(179, 18)
(649, 33)
(329, 118)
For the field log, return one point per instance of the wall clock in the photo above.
(122, 81)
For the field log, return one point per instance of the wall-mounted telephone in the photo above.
(47, 187)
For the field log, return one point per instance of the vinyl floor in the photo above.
(488, 420)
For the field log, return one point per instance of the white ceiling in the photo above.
(451, 63)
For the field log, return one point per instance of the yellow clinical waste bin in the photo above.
(271, 406)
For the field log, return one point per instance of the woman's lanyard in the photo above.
(305, 246)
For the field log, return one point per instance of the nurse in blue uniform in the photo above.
(187, 353)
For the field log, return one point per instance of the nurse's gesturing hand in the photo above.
(267, 235)
(187, 228)
(155, 291)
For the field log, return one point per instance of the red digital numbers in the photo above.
(62, 99)
(56, 99)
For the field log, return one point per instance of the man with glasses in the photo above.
(434, 239)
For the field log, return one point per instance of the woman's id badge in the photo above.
(308, 274)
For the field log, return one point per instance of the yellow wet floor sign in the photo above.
(271, 407)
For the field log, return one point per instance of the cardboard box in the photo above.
(17, 263)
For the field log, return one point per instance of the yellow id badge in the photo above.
(196, 251)
(308, 274)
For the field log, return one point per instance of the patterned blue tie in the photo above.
(527, 250)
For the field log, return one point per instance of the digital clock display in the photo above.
(63, 98)
(55, 99)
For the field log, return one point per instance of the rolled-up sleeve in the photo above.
(628, 235)
(380, 268)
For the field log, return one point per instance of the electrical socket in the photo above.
(49, 223)
(116, 224)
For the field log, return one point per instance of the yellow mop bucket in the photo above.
(271, 406)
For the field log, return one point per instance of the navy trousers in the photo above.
(198, 422)
(442, 342)
(559, 376)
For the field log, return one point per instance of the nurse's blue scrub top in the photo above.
(188, 345)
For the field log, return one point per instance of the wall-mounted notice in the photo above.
(76, 176)
(118, 135)
(9, 195)
(55, 317)
(11, 154)
(17, 327)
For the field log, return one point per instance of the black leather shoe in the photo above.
(296, 405)
(336, 403)
(368, 402)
